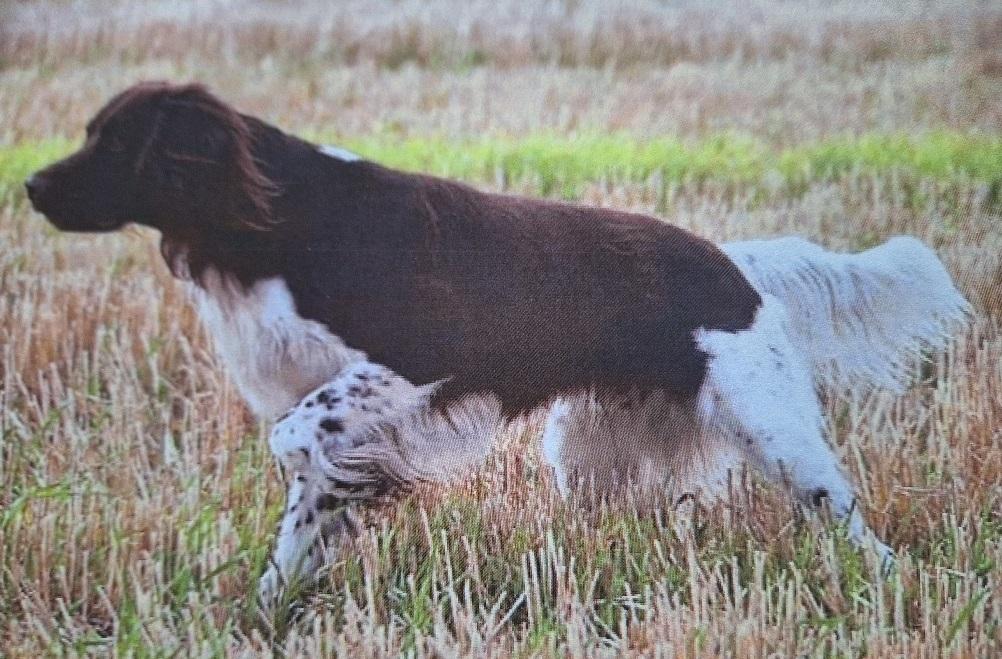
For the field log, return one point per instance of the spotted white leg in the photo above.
(318, 441)
(757, 379)
(293, 547)
(312, 516)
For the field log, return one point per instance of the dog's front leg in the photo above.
(294, 553)
(336, 443)
(313, 518)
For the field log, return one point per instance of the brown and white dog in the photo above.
(307, 261)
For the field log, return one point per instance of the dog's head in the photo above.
(173, 157)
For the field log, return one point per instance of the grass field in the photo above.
(138, 497)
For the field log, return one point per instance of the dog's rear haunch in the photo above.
(306, 260)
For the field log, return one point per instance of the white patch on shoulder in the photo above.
(274, 356)
(339, 153)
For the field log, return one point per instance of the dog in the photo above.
(307, 260)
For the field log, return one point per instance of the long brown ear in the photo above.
(214, 136)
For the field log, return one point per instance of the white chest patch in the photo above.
(339, 153)
(274, 356)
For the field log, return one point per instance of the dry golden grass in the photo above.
(138, 497)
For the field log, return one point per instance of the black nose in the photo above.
(36, 185)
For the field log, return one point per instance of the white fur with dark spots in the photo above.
(365, 435)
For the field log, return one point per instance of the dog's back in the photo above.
(525, 298)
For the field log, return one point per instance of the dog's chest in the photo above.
(273, 355)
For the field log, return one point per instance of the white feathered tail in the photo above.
(861, 320)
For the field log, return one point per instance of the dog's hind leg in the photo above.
(761, 388)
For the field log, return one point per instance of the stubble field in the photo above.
(138, 497)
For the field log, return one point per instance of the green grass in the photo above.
(561, 165)
(17, 161)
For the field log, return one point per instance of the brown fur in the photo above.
(524, 298)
